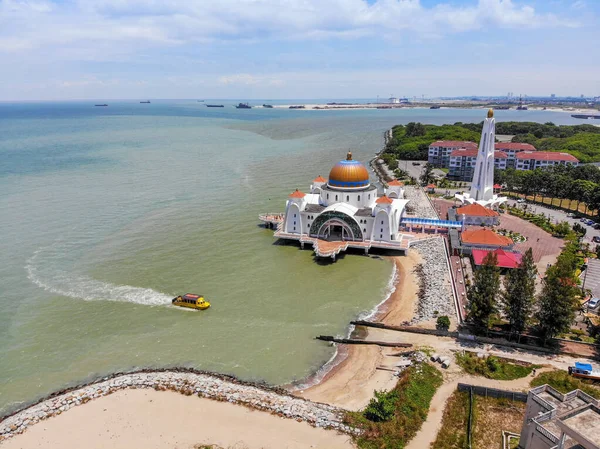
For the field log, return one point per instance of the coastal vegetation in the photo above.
(393, 418)
(493, 367)
(550, 313)
(411, 141)
(563, 382)
(483, 295)
(489, 417)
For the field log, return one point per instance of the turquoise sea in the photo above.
(107, 213)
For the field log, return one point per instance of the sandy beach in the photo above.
(351, 383)
(150, 419)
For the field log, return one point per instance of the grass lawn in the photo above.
(563, 382)
(490, 417)
(493, 367)
(393, 418)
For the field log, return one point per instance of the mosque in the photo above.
(346, 207)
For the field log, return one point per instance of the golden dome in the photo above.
(348, 174)
(490, 113)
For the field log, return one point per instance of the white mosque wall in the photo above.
(381, 227)
(358, 199)
(293, 218)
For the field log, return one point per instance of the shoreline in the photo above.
(350, 382)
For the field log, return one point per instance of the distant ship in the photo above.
(434, 107)
(501, 108)
(269, 106)
(298, 107)
(214, 105)
(100, 105)
(521, 106)
(243, 106)
(145, 102)
(586, 116)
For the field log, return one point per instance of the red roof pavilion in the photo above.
(506, 259)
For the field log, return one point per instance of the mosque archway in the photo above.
(334, 225)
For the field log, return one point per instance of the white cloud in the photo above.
(30, 24)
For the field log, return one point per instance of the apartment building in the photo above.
(439, 152)
(530, 160)
(512, 149)
(462, 163)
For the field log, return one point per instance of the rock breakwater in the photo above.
(206, 385)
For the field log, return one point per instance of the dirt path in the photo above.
(428, 433)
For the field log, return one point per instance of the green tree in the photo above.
(558, 298)
(484, 292)
(415, 129)
(519, 293)
(427, 176)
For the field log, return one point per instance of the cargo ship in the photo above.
(243, 106)
(214, 105)
(586, 116)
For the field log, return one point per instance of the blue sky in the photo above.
(78, 49)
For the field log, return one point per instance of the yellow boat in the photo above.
(191, 301)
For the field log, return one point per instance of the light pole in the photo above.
(584, 278)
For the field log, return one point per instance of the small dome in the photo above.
(348, 174)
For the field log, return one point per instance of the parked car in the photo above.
(583, 220)
(596, 239)
(570, 215)
(593, 303)
(521, 200)
(416, 163)
(590, 222)
(596, 226)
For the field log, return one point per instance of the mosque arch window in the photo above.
(319, 225)
(369, 196)
(328, 196)
(358, 197)
(336, 197)
(347, 198)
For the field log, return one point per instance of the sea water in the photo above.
(106, 213)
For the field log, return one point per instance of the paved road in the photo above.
(592, 278)
(413, 170)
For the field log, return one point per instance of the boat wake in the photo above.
(83, 287)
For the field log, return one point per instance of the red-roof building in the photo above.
(320, 179)
(506, 259)
(476, 214)
(439, 152)
(484, 238)
(395, 183)
(530, 160)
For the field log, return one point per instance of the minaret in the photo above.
(482, 187)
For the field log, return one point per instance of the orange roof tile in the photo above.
(296, 194)
(384, 200)
(395, 183)
(476, 210)
(484, 237)
(430, 186)
(319, 179)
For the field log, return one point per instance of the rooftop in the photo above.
(473, 153)
(515, 146)
(484, 237)
(585, 423)
(546, 156)
(297, 194)
(395, 183)
(319, 179)
(384, 200)
(454, 143)
(476, 210)
(506, 259)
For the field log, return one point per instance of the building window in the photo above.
(381, 230)
(294, 228)
(336, 197)
(294, 215)
(380, 235)
(308, 226)
(381, 220)
(348, 198)
(294, 222)
(328, 196)
(369, 196)
(358, 197)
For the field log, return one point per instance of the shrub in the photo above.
(381, 407)
(492, 363)
(442, 323)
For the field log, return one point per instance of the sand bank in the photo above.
(149, 419)
(351, 383)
